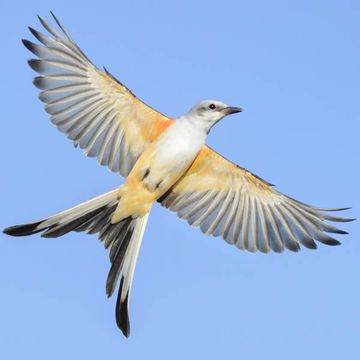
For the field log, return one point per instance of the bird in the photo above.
(163, 160)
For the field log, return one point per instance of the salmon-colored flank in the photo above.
(161, 123)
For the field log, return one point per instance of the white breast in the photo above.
(172, 154)
(178, 146)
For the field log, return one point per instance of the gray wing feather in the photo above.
(253, 222)
(77, 107)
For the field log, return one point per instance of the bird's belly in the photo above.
(167, 167)
(163, 163)
(159, 167)
(152, 175)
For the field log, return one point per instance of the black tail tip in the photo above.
(122, 320)
(122, 312)
(22, 230)
(126, 332)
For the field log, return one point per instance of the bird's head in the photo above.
(209, 112)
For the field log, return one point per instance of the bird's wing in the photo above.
(91, 107)
(226, 200)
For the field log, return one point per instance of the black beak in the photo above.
(232, 110)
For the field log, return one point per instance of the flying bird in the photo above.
(163, 160)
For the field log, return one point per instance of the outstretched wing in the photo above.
(226, 200)
(91, 107)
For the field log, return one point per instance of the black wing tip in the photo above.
(23, 230)
(334, 209)
(57, 21)
(332, 242)
(38, 81)
(29, 45)
(342, 232)
(336, 219)
(311, 245)
(40, 19)
(295, 249)
(33, 31)
(35, 64)
(45, 24)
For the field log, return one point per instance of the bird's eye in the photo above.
(212, 106)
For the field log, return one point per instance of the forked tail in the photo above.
(123, 239)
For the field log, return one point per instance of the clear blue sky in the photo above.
(294, 68)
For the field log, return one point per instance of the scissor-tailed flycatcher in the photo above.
(163, 160)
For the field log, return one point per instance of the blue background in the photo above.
(294, 68)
